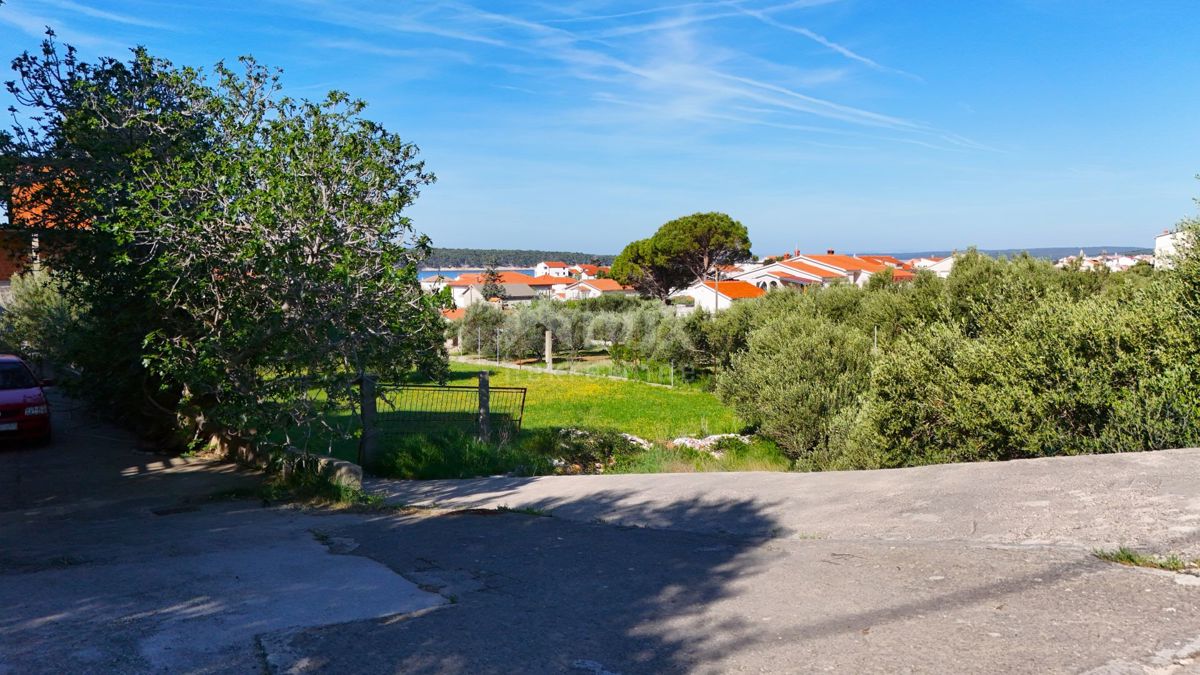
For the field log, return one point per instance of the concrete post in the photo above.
(368, 443)
(549, 350)
(485, 416)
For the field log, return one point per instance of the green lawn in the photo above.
(653, 413)
(553, 402)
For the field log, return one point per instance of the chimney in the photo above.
(829, 251)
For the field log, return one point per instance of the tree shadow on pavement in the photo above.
(544, 594)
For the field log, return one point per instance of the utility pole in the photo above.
(367, 443)
(485, 412)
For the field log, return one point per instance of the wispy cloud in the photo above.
(364, 47)
(671, 68)
(765, 17)
(34, 25)
(108, 16)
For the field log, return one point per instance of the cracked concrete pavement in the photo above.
(115, 560)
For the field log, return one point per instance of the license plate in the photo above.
(11, 426)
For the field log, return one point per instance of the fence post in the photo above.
(549, 350)
(485, 416)
(368, 442)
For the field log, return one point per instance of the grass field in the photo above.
(654, 413)
(553, 402)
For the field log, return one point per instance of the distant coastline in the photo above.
(427, 272)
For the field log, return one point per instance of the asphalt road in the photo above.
(113, 559)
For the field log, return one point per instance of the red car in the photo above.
(24, 410)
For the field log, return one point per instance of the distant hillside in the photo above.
(1050, 253)
(480, 257)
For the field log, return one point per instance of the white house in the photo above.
(465, 296)
(552, 268)
(787, 273)
(716, 295)
(594, 288)
(435, 283)
(854, 269)
(942, 267)
(921, 263)
(1166, 247)
(586, 271)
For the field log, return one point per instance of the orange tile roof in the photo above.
(589, 269)
(31, 206)
(605, 285)
(846, 262)
(505, 278)
(801, 266)
(548, 280)
(736, 289)
(554, 263)
(454, 314)
(884, 260)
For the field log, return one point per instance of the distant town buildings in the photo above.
(733, 283)
(560, 282)
(1115, 262)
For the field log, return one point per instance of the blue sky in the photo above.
(861, 125)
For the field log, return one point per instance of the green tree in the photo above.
(493, 286)
(798, 377)
(645, 265)
(681, 251)
(703, 242)
(244, 248)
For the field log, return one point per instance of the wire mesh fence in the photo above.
(422, 409)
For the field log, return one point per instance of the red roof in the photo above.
(885, 260)
(505, 278)
(589, 269)
(554, 263)
(846, 262)
(454, 314)
(819, 272)
(902, 275)
(735, 289)
(547, 280)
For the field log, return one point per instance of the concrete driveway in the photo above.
(116, 560)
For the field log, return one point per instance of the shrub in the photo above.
(455, 454)
(39, 323)
(798, 374)
(480, 324)
(580, 450)
(1067, 377)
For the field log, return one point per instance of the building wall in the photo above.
(1166, 247)
(705, 298)
(943, 267)
(10, 265)
(541, 270)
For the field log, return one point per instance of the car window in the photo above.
(15, 376)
